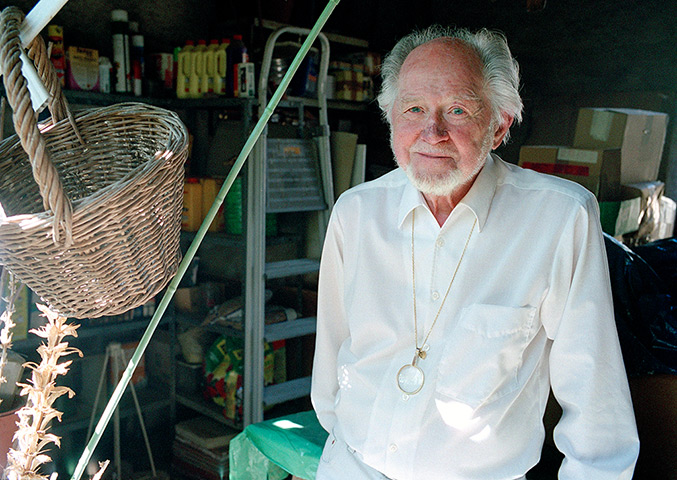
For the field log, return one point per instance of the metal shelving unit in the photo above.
(257, 271)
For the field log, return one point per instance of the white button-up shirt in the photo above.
(530, 309)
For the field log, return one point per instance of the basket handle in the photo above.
(26, 124)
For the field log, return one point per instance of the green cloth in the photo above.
(275, 448)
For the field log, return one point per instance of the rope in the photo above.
(25, 124)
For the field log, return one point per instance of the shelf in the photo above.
(273, 332)
(206, 408)
(88, 331)
(290, 329)
(151, 398)
(225, 240)
(288, 268)
(193, 320)
(81, 97)
(282, 392)
(294, 102)
(332, 37)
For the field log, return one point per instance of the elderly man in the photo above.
(458, 290)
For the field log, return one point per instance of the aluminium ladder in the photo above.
(257, 271)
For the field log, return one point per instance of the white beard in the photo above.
(442, 185)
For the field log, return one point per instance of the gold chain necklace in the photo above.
(410, 377)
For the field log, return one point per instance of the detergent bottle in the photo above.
(183, 69)
(237, 54)
(207, 81)
(197, 69)
(221, 66)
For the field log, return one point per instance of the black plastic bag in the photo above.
(645, 309)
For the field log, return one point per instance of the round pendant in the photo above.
(410, 379)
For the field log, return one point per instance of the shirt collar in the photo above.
(478, 199)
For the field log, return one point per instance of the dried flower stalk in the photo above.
(6, 318)
(41, 391)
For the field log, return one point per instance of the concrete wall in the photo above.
(572, 53)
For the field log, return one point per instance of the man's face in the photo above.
(442, 127)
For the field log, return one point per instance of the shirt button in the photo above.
(392, 447)
(440, 242)
(435, 295)
(405, 397)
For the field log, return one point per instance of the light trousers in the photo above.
(340, 462)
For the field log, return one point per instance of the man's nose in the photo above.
(435, 129)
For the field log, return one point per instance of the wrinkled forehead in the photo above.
(445, 53)
(444, 64)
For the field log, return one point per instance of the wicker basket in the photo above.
(92, 214)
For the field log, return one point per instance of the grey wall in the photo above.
(573, 53)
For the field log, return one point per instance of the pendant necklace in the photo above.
(410, 377)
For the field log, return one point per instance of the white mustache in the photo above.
(434, 153)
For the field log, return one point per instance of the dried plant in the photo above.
(7, 282)
(41, 391)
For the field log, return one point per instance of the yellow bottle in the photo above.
(197, 69)
(191, 217)
(183, 69)
(221, 65)
(207, 80)
(210, 189)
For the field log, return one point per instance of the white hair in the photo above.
(500, 70)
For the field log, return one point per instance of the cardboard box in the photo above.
(665, 227)
(83, 68)
(650, 194)
(620, 217)
(640, 134)
(189, 300)
(349, 85)
(597, 170)
(210, 189)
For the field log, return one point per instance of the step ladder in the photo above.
(259, 202)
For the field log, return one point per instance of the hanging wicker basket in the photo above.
(93, 200)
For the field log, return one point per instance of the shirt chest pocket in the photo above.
(483, 355)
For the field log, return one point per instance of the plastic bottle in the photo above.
(183, 69)
(236, 54)
(207, 80)
(191, 217)
(137, 60)
(221, 66)
(58, 52)
(175, 65)
(196, 69)
(105, 68)
(121, 61)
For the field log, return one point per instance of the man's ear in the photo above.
(501, 130)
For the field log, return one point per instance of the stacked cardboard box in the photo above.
(639, 134)
(200, 449)
(616, 154)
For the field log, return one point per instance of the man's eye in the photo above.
(416, 109)
(457, 111)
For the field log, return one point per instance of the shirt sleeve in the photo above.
(332, 326)
(597, 432)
